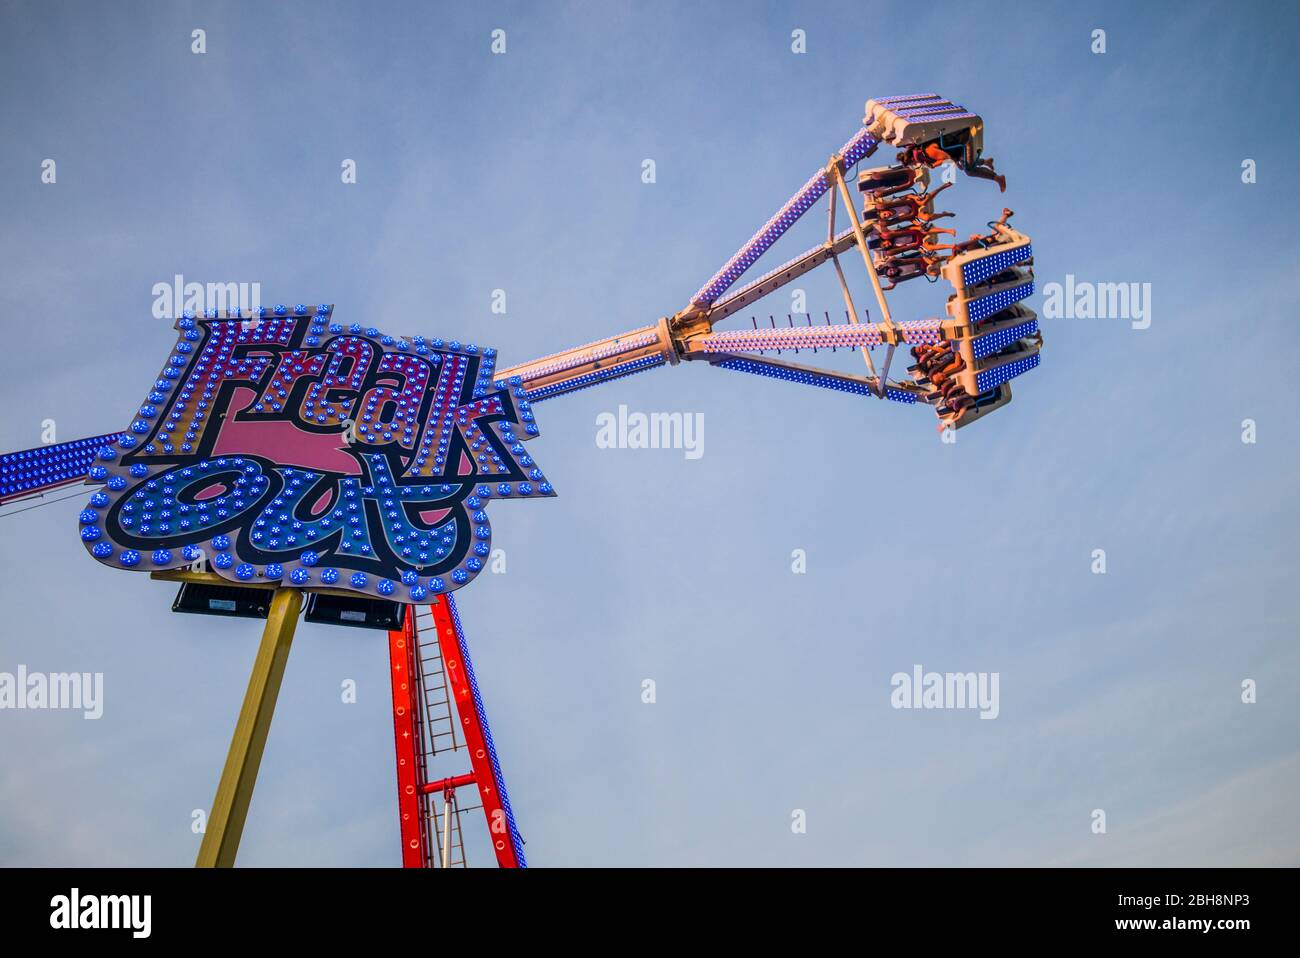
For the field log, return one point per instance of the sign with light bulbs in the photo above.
(279, 447)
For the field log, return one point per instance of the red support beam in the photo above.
(402, 651)
(471, 725)
(446, 784)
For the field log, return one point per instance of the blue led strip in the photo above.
(986, 306)
(594, 379)
(926, 109)
(988, 267)
(996, 377)
(515, 839)
(33, 470)
(812, 379)
(909, 98)
(862, 145)
(991, 343)
(931, 115)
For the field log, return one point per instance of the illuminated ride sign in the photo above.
(284, 448)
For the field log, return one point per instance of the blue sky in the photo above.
(522, 172)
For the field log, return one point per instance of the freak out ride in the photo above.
(283, 456)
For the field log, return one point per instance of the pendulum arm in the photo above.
(871, 269)
(861, 240)
(927, 127)
(839, 273)
(31, 472)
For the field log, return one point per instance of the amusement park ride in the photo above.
(283, 457)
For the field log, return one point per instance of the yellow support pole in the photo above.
(230, 806)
